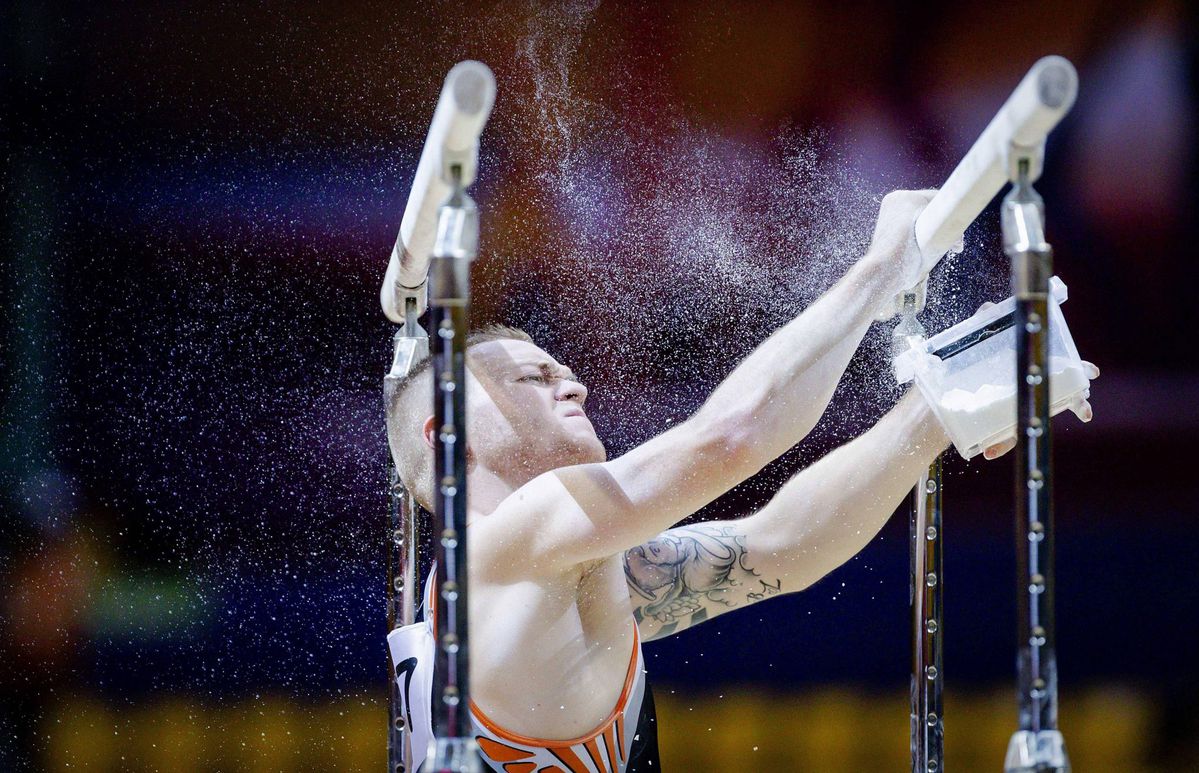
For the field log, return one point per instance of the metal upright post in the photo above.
(449, 298)
(410, 345)
(928, 678)
(1038, 745)
(926, 582)
(431, 261)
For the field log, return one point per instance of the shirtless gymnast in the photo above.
(573, 561)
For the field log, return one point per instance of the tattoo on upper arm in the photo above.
(683, 573)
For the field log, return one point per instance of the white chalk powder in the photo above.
(987, 414)
(961, 401)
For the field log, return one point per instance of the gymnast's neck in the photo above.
(487, 490)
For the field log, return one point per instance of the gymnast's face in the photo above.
(527, 411)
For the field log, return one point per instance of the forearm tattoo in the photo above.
(686, 571)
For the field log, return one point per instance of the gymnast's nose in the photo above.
(571, 390)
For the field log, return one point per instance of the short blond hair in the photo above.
(408, 402)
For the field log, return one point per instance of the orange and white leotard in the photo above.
(606, 749)
(625, 742)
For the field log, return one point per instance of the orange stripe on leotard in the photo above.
(501, 752)
(569, 759)
(617, 715)
(607, 735)
(594, 753)
(520, 767)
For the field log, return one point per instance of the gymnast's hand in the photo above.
(894, 239)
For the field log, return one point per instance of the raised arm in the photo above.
(819, 520)
(765, 406)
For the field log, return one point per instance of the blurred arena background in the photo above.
(200, 199)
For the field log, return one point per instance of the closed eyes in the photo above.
(547, 376)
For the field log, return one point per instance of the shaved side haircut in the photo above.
(409, 401)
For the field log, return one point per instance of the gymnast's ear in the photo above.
(427, 431)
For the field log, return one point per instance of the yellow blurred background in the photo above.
(834, 730)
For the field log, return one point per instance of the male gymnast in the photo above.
(572, 558)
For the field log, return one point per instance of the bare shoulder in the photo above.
(690, 574)
(579, 514)
(519, 540)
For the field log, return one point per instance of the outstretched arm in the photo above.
(764, 407)
(819, 520)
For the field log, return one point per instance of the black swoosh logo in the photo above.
(405, 670)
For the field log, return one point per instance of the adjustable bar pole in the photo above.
(402, 538)
(449, 300)
(438, 239)
(928, 677)
(1009, 149)
(402, 532)
(1038, 745)
(926, 582)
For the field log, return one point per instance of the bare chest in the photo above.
(549, 657)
